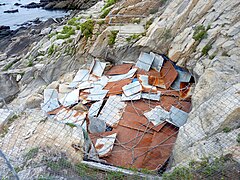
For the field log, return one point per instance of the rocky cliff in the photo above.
(199, 35)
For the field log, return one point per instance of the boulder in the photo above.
(9, 87)
(34, 101)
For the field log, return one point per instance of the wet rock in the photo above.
(5, 31)
(17, 4)
(11, 11)
(32, 5)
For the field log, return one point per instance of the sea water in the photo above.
(14, 20)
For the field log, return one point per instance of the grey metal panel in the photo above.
(145, 61)
(178, 117)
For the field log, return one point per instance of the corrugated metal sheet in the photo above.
(97, 68)
(70, 98)
(97, 95)
(143, 79)
(133, 97)
(178, 117)
(145, 61)
(119, 69)
(95, 108)
(105, 145)
(151, 96)
(50, 100)
(165, 78)
(183, 76)
(116, 87)
(81, 76)
(130, 74)
(185, 90)
(132, 88)
(70, 116)
(157, 62)
(112, 111)
(157, 115)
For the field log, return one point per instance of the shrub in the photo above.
(66, 32)
(133, 37)
(112, 38)
(51, 50)
(226, 129)
(200, 33)
(148, 23)
(105, 13)
(109, 3)
(206, 49)
(87, 28)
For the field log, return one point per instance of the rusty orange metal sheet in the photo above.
(119, 69)
(168, 101)
(185, 90)
(134, 121)
(129, 145)
(161, 147)
(116, 87)
(168, 92)
(54, 112)
(168, 74)
(162, 79)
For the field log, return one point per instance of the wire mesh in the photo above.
(51, 145)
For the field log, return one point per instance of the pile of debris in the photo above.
(132, 113)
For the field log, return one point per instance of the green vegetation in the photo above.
(59, 165)
(112, 38)
(109, 3)
(105, 12)
(101, 22)
(72, 22)
(200, 33)
(71, 125)
(148, 23)
(238, 138)
(206, 49)
(66, 32)
(52, 34)
(9, 123)
(226, 129)
(136, 20)
(8, 66)
(133, 37)
(31, 153)
(87, 28)
(51, 50)
(180, 173)
(204, 168)
(115, 175)
(30, 63)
